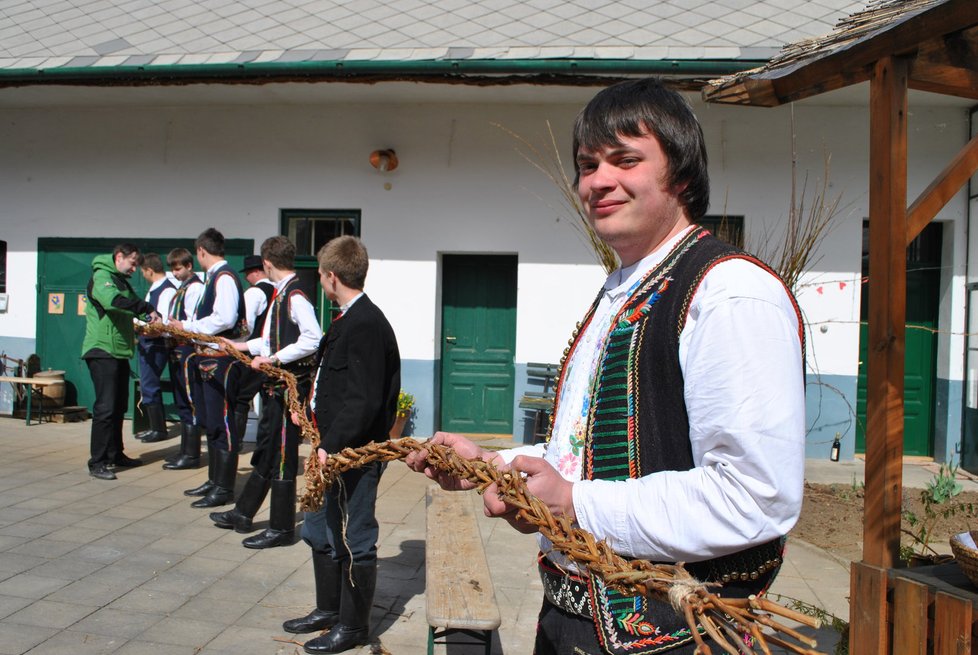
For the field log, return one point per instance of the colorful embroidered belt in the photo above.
(564, 590)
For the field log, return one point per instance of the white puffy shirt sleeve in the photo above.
(741, 359)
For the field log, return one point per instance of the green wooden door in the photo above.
(920, 358)
(64, 268)
(478, 343)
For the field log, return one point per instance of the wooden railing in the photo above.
(917, 611)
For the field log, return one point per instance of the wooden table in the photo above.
(29, 385)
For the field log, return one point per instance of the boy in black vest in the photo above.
(220, 313)
(152, 351)
(289, 339)
(186, 384)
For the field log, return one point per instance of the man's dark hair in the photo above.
(640, 107)
(211, 241)
(180, 257)
(127, 249)
(280, 252)
(346, 257)
(152, 261)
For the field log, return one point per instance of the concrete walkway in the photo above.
(128, 567)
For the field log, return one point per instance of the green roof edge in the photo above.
(338, 68)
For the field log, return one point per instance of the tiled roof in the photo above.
(106, 34)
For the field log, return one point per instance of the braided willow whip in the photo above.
(313, 497)
(726, 620)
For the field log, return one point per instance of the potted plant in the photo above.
(405, 407)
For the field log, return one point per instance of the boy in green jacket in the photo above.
(108, 345)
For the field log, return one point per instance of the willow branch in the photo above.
(671, 583)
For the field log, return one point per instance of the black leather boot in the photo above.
(225, 471)
(189, 457)
(356, 599)
(250, 499)
(157, 425)
(281, 519)
(184, 435)
(326, 572)
(208, 484)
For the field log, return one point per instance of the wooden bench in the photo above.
(458, 587)
(28, 386)
(540, 402)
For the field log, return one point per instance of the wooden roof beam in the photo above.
(942, 189)
(851, 62)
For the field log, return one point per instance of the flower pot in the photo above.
(398, 427)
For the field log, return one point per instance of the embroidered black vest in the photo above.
(177, 308)
(154, 299)
(283, 331)
(206, 307)
(638, 425)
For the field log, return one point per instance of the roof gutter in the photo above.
(339, 70)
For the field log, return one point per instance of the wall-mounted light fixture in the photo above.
(383, 160)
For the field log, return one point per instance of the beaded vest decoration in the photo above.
(637, 425)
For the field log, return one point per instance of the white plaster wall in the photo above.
(461, 187)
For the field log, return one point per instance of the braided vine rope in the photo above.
(312, 499)
(725, 620)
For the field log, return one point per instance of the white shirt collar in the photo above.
(346, 307)
(622, 280)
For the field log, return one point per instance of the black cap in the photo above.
(251, 262)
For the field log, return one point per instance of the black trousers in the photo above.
(215, 407)
(278, 436)
(110, 377)
(185, 382)
(346, 526)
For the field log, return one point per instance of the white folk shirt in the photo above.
(255, 302)
(302, 314)
(225, 313)
(744, 390)
(191, 299)
(163, 302)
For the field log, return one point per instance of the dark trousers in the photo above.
(356, 501)
(185, 380)
(215, 407)
(110, 377)
(153, 356)
(278, 437)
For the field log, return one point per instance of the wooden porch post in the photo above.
(887, 311)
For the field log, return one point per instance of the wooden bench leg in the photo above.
(483, 636)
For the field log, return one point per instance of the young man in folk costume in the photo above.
(288, 339)
(355, 401)
(153, 352)
(219, 313)
(106, 349)
(186, 382)
(678, 432)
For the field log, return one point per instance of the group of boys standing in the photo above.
(351, 378)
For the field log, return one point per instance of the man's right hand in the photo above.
(458, 443)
